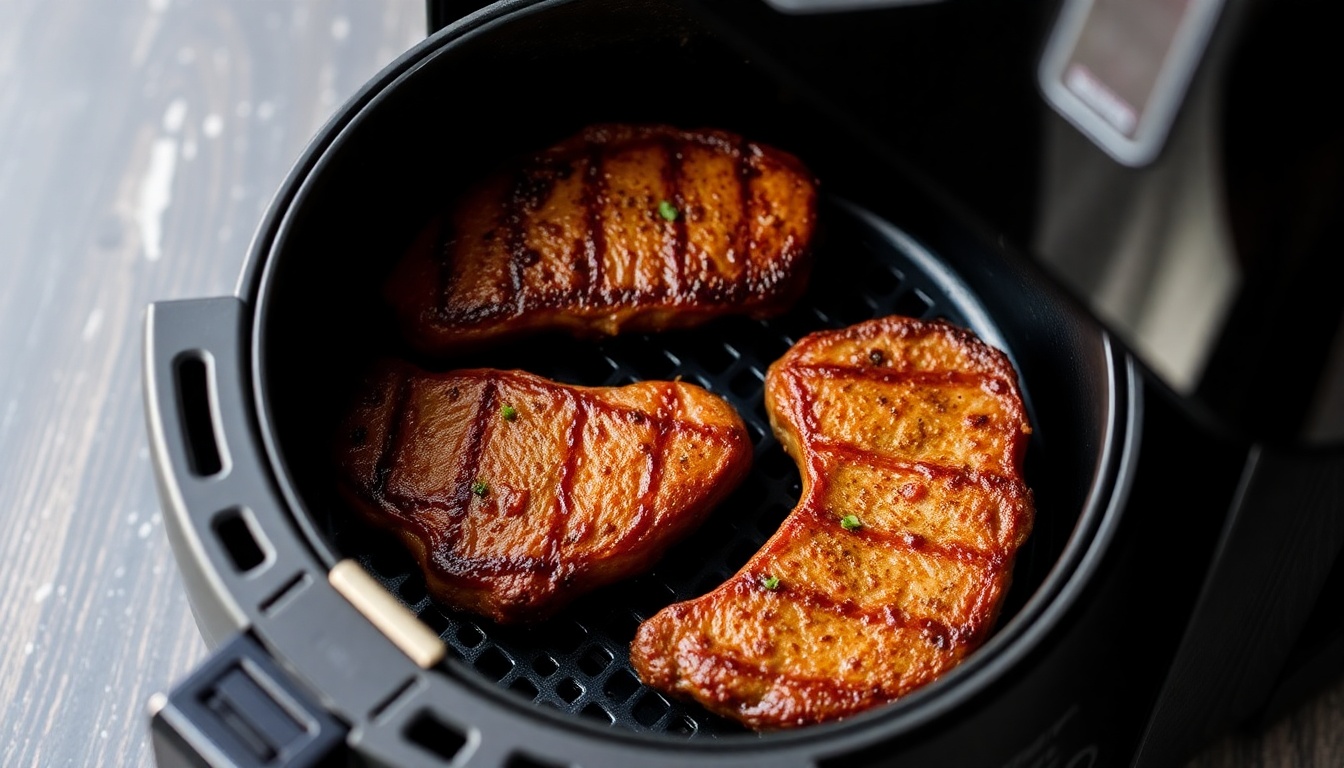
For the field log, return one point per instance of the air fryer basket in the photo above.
(578, 662)
(519, 77)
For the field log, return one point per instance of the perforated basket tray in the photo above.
(578, 662)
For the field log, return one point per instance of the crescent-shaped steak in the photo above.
(516, 494)
(618, 228)
(910, 438)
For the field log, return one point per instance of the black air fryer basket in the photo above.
(313, 664)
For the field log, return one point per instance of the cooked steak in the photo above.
(516, 494)
(621, 227)
(910, 438)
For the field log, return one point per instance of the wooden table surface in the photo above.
(140, 143)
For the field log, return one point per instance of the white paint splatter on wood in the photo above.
(92, 324)
(156, 194)
(175, 115)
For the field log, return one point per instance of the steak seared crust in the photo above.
(618, 228)
(910, 438)
(516, 494)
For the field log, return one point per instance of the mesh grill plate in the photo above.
(578, 662)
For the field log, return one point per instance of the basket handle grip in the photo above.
(213, 485)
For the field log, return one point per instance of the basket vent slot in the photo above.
(194, 394)
(594, 660)
(234, 530)
(569, 690)
(595, 711)
(650, 708)
(545, 665)
(494, 664)
(435, 736)
(914, 303)
(621, 685)
(525, 687)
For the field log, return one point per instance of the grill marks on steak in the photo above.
(917, 430)
(517, 494)
(572, 238)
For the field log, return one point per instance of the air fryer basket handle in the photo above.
(212, 488)
(238, 709)
(245, 566)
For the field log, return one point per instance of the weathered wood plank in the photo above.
(139, 145)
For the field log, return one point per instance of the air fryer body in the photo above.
(929, 134)
(1242, 188)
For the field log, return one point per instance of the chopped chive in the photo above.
(770, 582)
(480, 488)
(851, 522)
(668, 211)
(508, 412)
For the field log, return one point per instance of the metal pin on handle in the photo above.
(387, 614)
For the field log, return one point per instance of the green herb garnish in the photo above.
(851, 522)
(508, 412)
(480, 488)
(770, 582)
(668, 211)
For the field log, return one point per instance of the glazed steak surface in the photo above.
(910, 438)
(618, 228)
(516, 494)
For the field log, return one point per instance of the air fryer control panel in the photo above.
(1118, 69)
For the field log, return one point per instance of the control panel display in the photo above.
(1118, 69)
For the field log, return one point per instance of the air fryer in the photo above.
(1161, 529)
